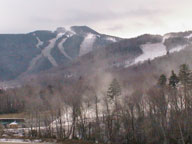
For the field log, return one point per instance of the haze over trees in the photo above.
(161, 114)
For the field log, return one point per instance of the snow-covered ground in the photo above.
(12, 141)
(4, 85)
(87, 44)
(34, 62)
(189, 36)
(88, 112)
(177, 49)
(111, 39)
(150, 51)
(47, 50)
(62, 49)
(39, 42)
(167, 36)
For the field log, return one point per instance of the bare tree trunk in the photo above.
(181, 133)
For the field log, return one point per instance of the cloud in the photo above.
(84, 16)
(117, 17)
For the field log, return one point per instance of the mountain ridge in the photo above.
(40, 50)
(43, 50)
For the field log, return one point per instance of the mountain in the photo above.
(81, 51)
(22, 54)
(136, 61)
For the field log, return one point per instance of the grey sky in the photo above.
(124, 18)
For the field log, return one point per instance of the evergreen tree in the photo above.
(114, 89)
(173, 80)
(162, 80)
(186, 80)
(184, 75)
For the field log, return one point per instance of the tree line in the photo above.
(161, 114)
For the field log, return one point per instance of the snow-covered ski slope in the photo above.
(87, 44)
(154, 50)
(62, 49)
(46, 52)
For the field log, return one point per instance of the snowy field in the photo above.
(20, 141)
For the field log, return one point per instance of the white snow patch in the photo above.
(189, 36)
(66, 119)
(70, 32)
(150, 51)
(111, 39)
(39, 42)
(13, 123)
(177, 49)
(98, 36)
(47, 50)
(4, 140)
(62, 49)
(167, 36)
(34, 62)
(4, 85)
(87, 44)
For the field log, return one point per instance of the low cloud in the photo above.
(120, 17)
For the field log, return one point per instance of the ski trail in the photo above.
(150, 51)
(34, 62)
(177, 49)
(62, 49)
(87, 44)
(189, 36)
(47, 50)
(39, 43)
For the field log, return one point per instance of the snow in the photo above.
(39, 42)
(177, 49)
(13, 123)
(46, 52)
(13, 141)
(88, 112)
(34, 62)
(71, 31)
(62, 49)
(167, 36)
(111, 39)
(18, 141)
(98, 36)
(189, 36)
(4, 85)
(150, 51)
(87, 44)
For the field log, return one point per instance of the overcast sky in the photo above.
(124, 18)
